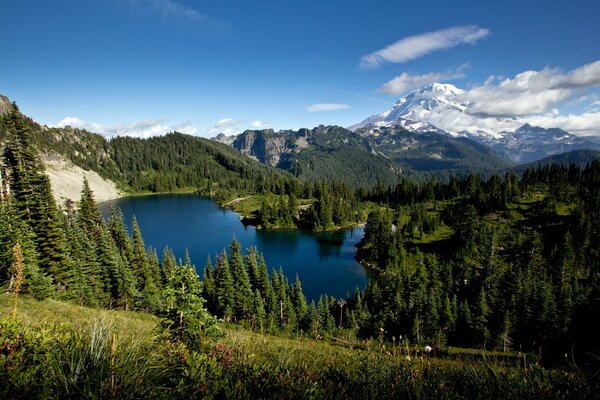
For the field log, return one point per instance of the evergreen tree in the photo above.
(209, 286)
(147, 273)
(224, 287)
(89, 215)
(243, 295)
(299, 303)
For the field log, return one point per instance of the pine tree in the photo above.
(50, 233)
(244, 297)
(190, 322)
(22, 162)
(83, 282)
(16, 230)
(89, 216)
(209, 287)
(299, 304)
(224, 287)
(118, 231)
(148, 274)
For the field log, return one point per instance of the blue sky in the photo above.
(143, 67)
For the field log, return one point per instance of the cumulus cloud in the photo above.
(407, 81)
(586, 75)
(143, 129)
(582, 124)
(530, 92)
(231, 126)
(412, 47)
(168, 8)
(319, 107)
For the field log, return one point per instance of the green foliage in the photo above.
(507, 276)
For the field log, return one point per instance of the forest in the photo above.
(508, 265)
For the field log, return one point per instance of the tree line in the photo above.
(75, 255)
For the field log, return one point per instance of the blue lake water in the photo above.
(323, 261)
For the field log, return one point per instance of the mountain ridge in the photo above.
(366, 155)
(440, 108)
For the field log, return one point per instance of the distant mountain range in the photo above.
(417, 135)
(438, 108)
(398, 142)
(366, 155)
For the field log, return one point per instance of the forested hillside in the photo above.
(159, 164)
(503, 262)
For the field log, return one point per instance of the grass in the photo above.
(59, 350)
(34, 313)
(304, 368)
(444, 232)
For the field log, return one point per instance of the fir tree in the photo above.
(224, 287)
(244, 297)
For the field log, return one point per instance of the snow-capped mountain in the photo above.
(440, 105)
(441, 108)
(531, 143)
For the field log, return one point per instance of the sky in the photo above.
(146, 67)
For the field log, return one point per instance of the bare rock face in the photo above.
(5, 105)
(67, 180)
(265, 146)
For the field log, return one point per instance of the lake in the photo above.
(324, 261)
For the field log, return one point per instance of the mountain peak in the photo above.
(440, 88)
(417, 107)
(440, 105)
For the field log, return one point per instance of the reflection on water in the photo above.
(284, 240)
(330, 243)
(323, 261)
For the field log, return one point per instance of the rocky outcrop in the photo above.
(5, 105)
(265, 146)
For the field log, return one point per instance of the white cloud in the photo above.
(144, 129)
(407, 81)
(586, 75)
(226, 122)
(412, 47)
(319, 107)
(259, 124)
(168, 8)
(583, 124)
(530, 92)
(231, 126)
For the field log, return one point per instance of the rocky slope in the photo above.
(67, 178)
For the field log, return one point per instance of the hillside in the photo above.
(323, 153)
(434, 152)
(122, 164)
